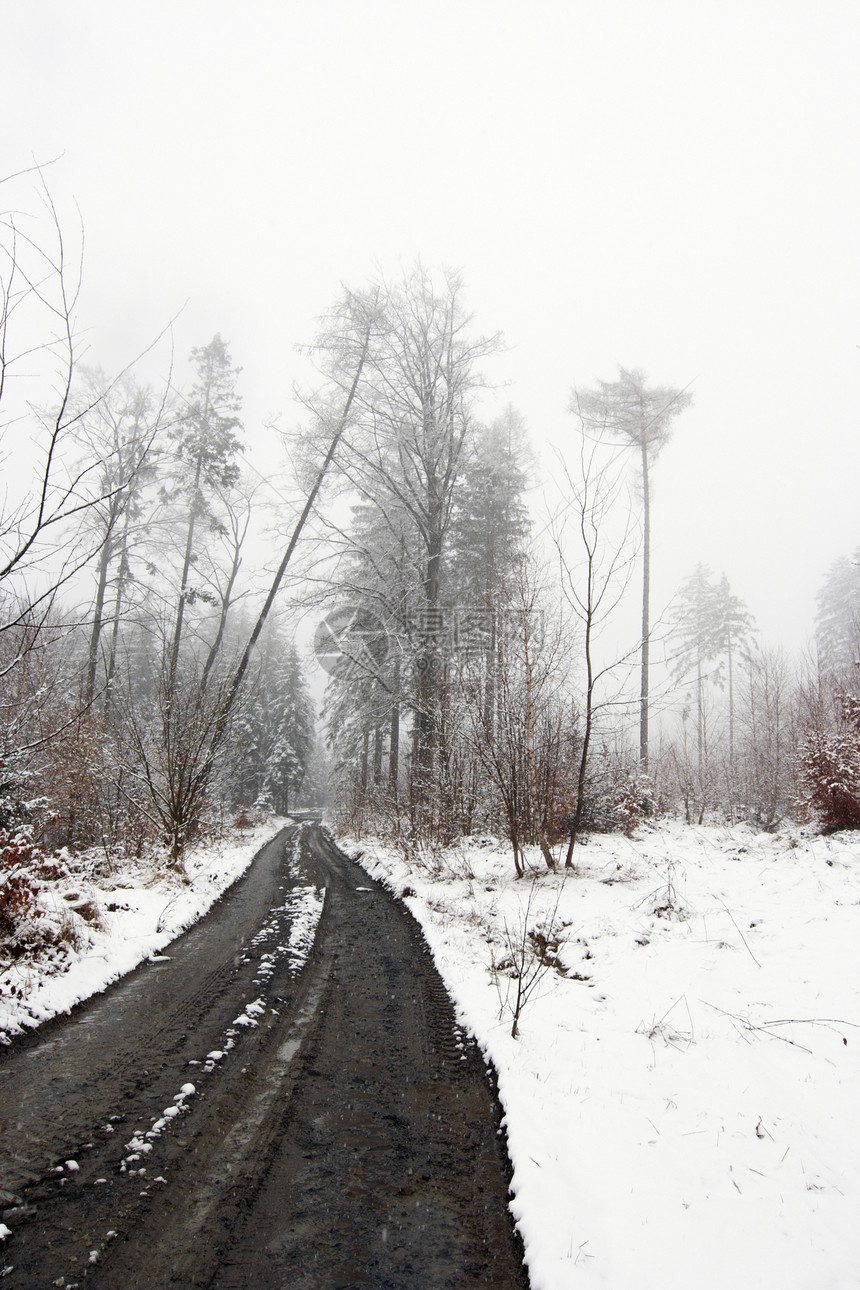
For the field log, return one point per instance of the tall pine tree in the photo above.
(206, 447)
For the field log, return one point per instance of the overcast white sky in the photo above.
(671, 186)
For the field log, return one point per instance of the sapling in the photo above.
(527, 960)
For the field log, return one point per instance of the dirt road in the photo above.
(227, 1118)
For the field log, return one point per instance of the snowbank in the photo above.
(138, 916)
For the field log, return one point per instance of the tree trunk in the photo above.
(646, 612)
(122, 578)
(589, 722)
(186, 569)
(394, 736)
(98, 619)
(700, 723)
(377, 755)
(490, 664)
(394, 751)
(430, 660)
(365, 761)
(731, 701)
(226, 602)
(534, 795)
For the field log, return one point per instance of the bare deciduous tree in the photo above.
(175, 757)
(118, 427)
(629, 413)
(522, 748)
(594, 577)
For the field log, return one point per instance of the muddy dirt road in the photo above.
(227, 1117)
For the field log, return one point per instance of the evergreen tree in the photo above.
(838, 619)
(490, 521)
(120, 426)
(405, 457)
(765, 764)
(712, 626)
(274, 733)
(206, 448)
(376, 602)
(489, 533)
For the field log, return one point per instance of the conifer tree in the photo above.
(413, 408)
(712, 627)
(206, 448)
(837, 624)
(489, 532)
(119, 426)
(274, 732)
(377, 601)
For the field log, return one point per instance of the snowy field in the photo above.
(683, 1100)
(136, 914)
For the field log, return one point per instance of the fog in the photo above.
(663, 186)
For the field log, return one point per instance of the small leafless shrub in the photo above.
(459, 864)
(86, 907)
(546, 945)
(666, 901)
(531, 952)
(673, 1034)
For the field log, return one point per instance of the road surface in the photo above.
(227, 1117)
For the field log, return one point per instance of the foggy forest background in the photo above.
(494, 661)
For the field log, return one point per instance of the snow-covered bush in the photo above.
(830, 766)
(619, 797)
(28, 924)
(631, 802)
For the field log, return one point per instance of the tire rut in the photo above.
(351, 1138)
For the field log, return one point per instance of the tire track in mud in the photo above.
(351, 1137)
(88, 1062)
(87, 1087)
(391, 1158)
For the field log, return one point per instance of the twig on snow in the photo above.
(750, 1025)
(740, 934)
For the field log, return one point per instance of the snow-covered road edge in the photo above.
(139, 917)
(667, 1124)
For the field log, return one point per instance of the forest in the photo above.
(494, 662)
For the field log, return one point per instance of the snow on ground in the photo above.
(139, 913)
(683, 1100)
